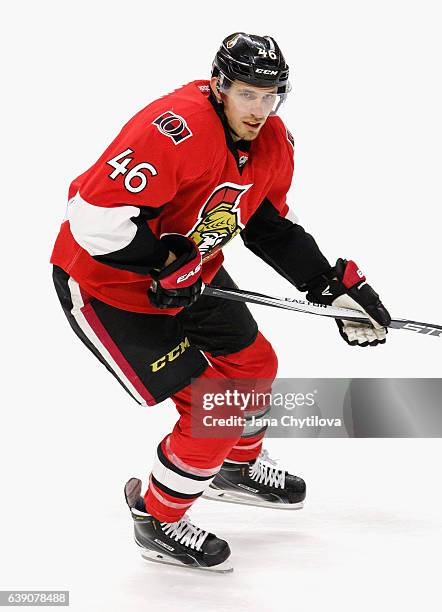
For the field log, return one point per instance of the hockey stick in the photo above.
(239, 295)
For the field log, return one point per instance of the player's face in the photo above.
(246, 108)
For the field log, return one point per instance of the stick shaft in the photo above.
(334, 312)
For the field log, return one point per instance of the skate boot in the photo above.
(257, 483)
(181, 543)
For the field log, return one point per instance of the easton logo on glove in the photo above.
(188, 275)
(179, 284)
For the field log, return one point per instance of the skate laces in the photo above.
(264, 471)
(185, 532)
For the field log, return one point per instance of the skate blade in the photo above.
(245, 500)
(157, 557)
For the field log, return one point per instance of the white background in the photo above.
(365, 112)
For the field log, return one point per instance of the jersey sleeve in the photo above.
(277, 193)
(111, 204)
(272, 234)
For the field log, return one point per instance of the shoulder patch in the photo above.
(174, 126)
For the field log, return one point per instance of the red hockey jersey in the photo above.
(170, 170)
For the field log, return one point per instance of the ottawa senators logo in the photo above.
(219, 219)
(174, 126)
(232, 42)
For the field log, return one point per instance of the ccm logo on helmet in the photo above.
(184, 277)
(263, 71)
(174, 126)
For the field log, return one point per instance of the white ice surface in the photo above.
(368, 538)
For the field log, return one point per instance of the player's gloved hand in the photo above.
(346, 287)
(178, 284)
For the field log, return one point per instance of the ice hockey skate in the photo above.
(181, 544)
(257, 483)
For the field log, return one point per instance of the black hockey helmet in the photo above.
(256, 60)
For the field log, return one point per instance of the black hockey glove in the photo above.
(345, 286)
(178, 284)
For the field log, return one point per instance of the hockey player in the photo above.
(145, 227)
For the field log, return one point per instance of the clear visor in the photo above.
(252, 100)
